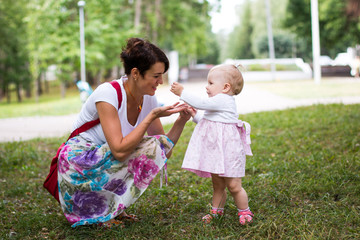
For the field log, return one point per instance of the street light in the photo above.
(315, 40)
(81, 5)
(270, 39)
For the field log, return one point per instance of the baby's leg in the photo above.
(219, 194)
(241, 199)
(219, 198)
(239, 194)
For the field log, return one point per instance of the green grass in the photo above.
(48, 104)
(338, 87)
(303, 182)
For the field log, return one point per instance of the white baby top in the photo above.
(219, 108)
(107, 93)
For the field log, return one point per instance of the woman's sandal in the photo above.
(112, 223)
(128, 217)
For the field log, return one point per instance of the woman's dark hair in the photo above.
(141, 54)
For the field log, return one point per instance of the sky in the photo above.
(226, 19)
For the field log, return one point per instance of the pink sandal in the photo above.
(245, 217)
(214, 213)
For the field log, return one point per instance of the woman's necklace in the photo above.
(127, 87)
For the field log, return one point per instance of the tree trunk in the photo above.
(63, 89)
(98, 77)
(353, 8)
(18, 92)
(39, 87)
(28, 92)
(157, 19)
(137, 13)
(2, 92)
(8, 93)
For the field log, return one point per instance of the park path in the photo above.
(252, 99)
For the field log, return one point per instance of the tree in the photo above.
(178, 25)
(253, 25)
(240, 40)
(14, 59)
(283, 44)
(335, 19)
(36, 34)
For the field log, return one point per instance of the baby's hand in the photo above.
(191, 110)
(177, 88)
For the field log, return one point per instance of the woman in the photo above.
(105, 169)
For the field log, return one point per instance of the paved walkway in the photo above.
(250, 100)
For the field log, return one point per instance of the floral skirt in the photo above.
(94, 187)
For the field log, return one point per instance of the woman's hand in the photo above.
(166, 111)
(188, 112)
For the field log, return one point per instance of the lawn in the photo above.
(303, 182)
(50, 103)
(305, 89)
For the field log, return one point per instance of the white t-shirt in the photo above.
(219, 108)
(107, 93)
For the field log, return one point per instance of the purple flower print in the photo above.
(88, 204)
(144, 170)
(87, 159)
(117, 186)
(63, 163)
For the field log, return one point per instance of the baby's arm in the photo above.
(191, 110)
(177, 88)
(196, 115)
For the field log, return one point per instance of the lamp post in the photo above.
(315, 40)
(270, 39)
(81, 5)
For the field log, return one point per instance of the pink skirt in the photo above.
(218, 148)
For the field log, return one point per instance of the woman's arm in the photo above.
(156, 128)
(175, 131)
(121, 146)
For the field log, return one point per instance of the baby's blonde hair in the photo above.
(232, 75)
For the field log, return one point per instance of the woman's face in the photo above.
(152, 78)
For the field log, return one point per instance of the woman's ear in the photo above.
(227, 88)
(135, 73)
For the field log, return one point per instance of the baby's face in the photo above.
(216, 83)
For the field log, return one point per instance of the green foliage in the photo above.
(283, 45)
(334, 21)
(243, 42)
(240, 43)
(213, 51)
(185, 27)
(303, 182)
(14, 58)
(39, 33)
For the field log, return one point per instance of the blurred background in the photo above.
(40, 40)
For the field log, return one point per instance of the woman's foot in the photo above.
(245, 216)
(127, 217)
(214, 213)
(112, 223)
